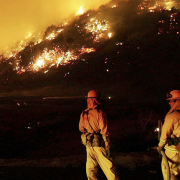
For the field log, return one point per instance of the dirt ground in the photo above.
(40, 140)
(130, 166)
(29, 173)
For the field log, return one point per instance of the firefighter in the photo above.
(94, 128)
(170, 137)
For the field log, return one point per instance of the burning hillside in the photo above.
(56, 48)
(113, 33)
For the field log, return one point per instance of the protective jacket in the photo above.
(171, 129)
(94, 120)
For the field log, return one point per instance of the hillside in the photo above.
(127, 45)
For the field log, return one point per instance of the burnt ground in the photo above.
(30, 173)
(130, 166)
(40, 139)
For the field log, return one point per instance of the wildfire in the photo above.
(87, 50)
(62, 54)
(50, 58)
(54, 34)
(159, 5)
(95, 26)
(169, 4)
(36, 39)
(114, 6)
(81, 11)
(98, 28)
(47, 58)
(109, 35)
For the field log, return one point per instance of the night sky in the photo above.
(126, 49)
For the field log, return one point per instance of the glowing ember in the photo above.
(87, 50)
(156, 130)
(46, 58)
(97, 28)
(51, 36)
(54, 34)
(13, 51)
(169, 5)
(50, 58)
(109, 35)
(95, 25)
(114, 6)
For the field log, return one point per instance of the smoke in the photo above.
(18, 18)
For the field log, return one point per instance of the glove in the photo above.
(107, 153)
(84, 131)
(107, 148)
(159, 149)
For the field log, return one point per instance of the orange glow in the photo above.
(87, 50)
(97, 28)
(21, 17)
(109, 35)
(49, 58)
(46, 59)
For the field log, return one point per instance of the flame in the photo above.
(159, 5)
(81, 11)
(114, 6)
(54, 34)
(50, 58)
(13, 51)
(46, 59)
(109, 35)
(51, 36)
(56, 56)
(97, 28)
(87, 50)
(169, 4)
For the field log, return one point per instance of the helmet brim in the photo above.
(173, 98)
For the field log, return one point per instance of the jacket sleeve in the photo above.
(167, 130)
(103, 124)
(81, 124)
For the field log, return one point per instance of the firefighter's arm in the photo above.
(107, 148)
(159, 149)
(107, 145)
(105, 134)
(81, 124)
(103, 125)
(167, 131)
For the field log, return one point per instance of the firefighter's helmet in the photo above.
(94, 94)
(175, 94)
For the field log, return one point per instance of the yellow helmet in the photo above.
(94, 94)
(175, 94)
